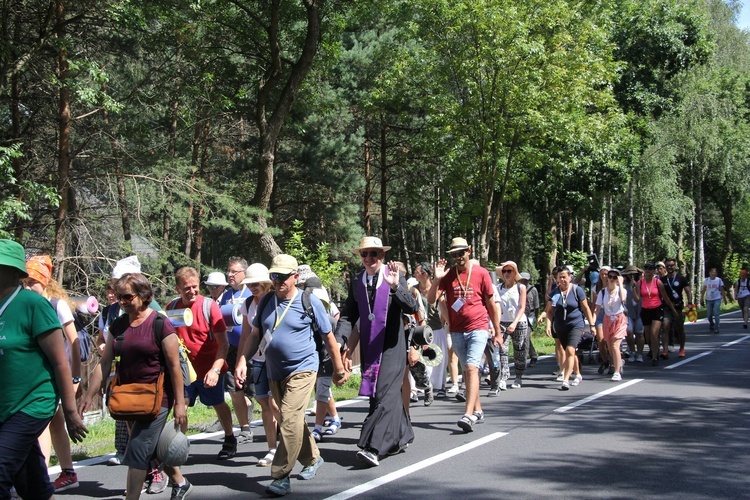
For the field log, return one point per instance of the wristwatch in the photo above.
(216, 371)
(77, 380)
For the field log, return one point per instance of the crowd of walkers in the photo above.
(273, 335)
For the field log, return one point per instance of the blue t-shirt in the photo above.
(232, 296)
(292, 346)
(568, 313)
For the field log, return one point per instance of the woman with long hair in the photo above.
(612, 302)
(511, 297)
(144, 353)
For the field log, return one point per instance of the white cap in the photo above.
(125, 266)
(256, 273)
(216, 278)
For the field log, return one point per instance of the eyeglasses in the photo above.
(232, 273)
(458, 253)
(253, 285)
(213, 287)
(371, 253)
(507, 271)
(279, 276)
(613, 276)
(127, 297)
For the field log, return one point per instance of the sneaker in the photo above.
(279, 487)
(268, 459)
(611, 370)
(559, 378)
(503, 385)
(397, 449)
(478, 416)
(158, 482)
(245, 436)
(368, 457)
(440, 393)
(14, 494)
(639, 358)
(681, 354)
(333, 427)
(494, 391)
(670, 348)
(632, 357)
(428, 396)
(616, 377)
(228, 449)
(181, 491)
(413, 398)
(453, 390)
(308, 471)
(116, 459)
(461, 396)
(516, 383)
(577, 380)
(466, 423)
(66, 481)
(317, 435)
(602, 367)
(565, 386)
(557, 372)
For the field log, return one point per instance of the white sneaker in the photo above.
(639, 358)
(453, 390)
(503, 385)
(559, 378)
(576, 380)
(616, 377)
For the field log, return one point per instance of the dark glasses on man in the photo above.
(279, 276)
(213, 287)
(370, 253)
(457, 253)
(127, 297)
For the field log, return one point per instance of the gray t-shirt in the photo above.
(291, 347)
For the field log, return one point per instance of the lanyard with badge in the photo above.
(671, 286)
(459, 302)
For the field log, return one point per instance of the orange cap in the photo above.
(39, 268)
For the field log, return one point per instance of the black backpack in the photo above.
(84, 339)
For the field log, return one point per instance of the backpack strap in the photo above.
(207, 316)
(307, 306)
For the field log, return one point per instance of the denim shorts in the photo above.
(636, 324)
(210, 396)
(260, 380)
(469, 346)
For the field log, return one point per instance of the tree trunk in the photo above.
(699, 229)
(551, 246)
(384, 184)
(63, 145)
(15, 131)
(368, 190)
(609, 231)
(631, 218)
(569, 235)
(591, 236)
(603, 231)
(438, 229)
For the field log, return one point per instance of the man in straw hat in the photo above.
(469, 295)
(378, 296)
(292, 366)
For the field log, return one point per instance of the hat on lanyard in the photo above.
(13, 255)
(39, 268)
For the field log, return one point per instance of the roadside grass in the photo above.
(101, 437)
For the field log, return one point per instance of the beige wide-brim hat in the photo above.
(217, 279)
(256, 273)
(458, 244)
(370, 242)
(283, 264)
(508, 263)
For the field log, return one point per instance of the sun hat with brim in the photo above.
(283, 264)
(256, 273)
(526, 276)
(604, 268)
(509, 263)
(173, 447)
(458, 244)
(126, 266)
(39, 268)
(216, 279)
(615, 271)
(13, 255)
(370, 243)
(631, 270)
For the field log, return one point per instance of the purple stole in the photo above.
(371, 332)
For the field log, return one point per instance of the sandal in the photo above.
(268, 459)
(317, 435)
(333, 427)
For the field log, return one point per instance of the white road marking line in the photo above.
(596, 396)
(742, 339)
(417, 467)
(688, 360)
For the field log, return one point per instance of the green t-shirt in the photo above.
(26, 374)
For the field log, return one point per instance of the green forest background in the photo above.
(190, 131)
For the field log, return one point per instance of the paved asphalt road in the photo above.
(679, 430)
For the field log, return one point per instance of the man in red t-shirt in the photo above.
(469, 296)
(207, 347)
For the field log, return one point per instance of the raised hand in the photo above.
(439, 269)
(391, 274)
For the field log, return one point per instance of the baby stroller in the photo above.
(587, 349)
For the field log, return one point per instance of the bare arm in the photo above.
(170, 346)
(71, 335)
(249, 349)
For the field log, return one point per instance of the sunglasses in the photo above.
(648, 268)
(507, 271)
(613, 276)
(457, 253)
(127, 297)
(213, 287)
(371, 253)
(279, 276)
